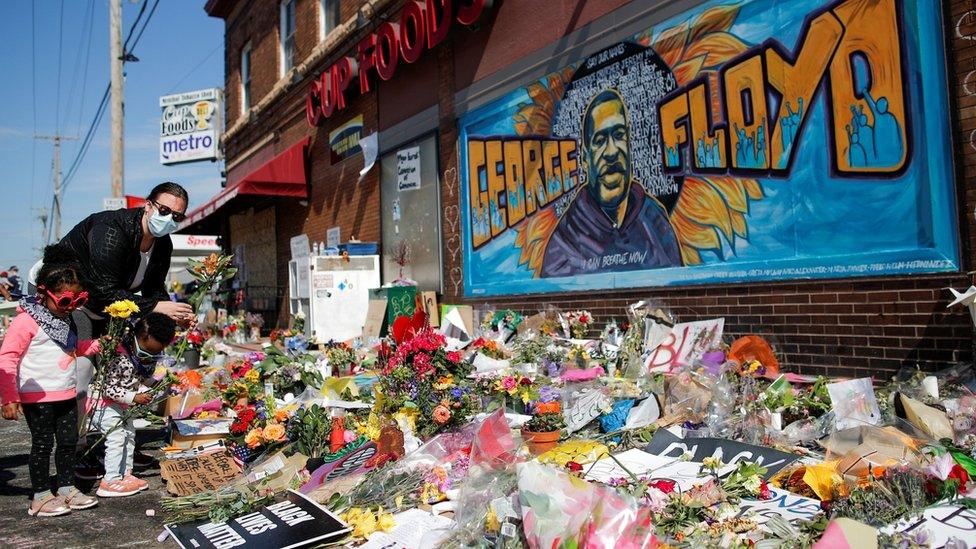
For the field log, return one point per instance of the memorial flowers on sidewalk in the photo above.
(578, 323)
(418, 380)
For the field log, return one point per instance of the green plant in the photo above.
(311, 428)
(546, 417)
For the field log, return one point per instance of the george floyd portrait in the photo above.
(612, 223)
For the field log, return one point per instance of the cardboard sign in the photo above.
(375, 315)
(730, 451)
(584, 410)
(192, 475)
(686, 343)
(295, 522)
(332, 237)
(942, 522)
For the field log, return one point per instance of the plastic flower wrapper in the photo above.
(576, 451)
(561, 510)
(487, 499)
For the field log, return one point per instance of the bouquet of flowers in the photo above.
(418, 380)
(578, 323)
(488, 347)
(210, 272)
(258, 427)
(511, 388)
(342, 358)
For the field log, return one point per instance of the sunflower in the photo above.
(708, 209)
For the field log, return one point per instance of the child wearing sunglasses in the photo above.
(123, 387)
(37, 379)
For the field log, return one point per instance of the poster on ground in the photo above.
(295, 522)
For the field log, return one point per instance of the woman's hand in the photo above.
(180, 312)
(11, 411)
(142, 398)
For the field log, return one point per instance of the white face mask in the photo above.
(161, 225)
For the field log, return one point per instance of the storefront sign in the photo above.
(735, 142)
(344, 140)
(295, 522)
(190, 126)
(408, 169)
(193, 242)
(422, 26)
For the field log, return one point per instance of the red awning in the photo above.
(283, 175)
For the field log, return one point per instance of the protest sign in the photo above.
(943, 523)
(295, 522)
(731, 452)
(685, 344)
(584, 409)
(192, 475)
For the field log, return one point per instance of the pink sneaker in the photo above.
(118, 488)
(136, 482)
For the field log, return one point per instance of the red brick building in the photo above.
(438, 95)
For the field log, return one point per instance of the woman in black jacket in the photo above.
(125, 254)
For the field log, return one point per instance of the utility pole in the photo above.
(57, 138)
(115, 50)
(43, 219)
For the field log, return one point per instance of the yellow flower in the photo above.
(274, 432)
(254, 438)
(122, 309)
(444, 382)
(385, 521)
(712, 462)
(362, 521)
(252, 376)
(399, 501)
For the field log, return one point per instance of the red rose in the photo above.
(666, 486)
(573, 466)
(454, 356)
(525, 381)
(959, 474)
(764, 492)
(233, 327)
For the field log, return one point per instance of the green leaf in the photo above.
(965, 461)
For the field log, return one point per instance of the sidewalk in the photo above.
(118, 522)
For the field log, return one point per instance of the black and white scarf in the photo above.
(60, 330)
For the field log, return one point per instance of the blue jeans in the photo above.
(120, 444)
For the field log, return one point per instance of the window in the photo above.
(245, 78)
(287, 34)
(411, 214)
(328, 17)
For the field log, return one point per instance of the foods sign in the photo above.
(189, 129)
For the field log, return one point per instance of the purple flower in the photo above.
(456, 392)
(549, 394)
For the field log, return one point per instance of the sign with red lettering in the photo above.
(422, 25)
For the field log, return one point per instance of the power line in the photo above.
(86, 29)
(89, 135)
(198, 65)
(57, 98)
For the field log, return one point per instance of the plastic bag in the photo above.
(559, 509)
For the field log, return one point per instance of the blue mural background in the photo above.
(810, 224)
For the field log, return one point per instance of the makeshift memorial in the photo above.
(854, 403)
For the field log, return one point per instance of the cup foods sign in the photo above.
(189, 129)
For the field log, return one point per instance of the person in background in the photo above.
(13, 278)
(123, 387)
(37, 379)
(5, 287)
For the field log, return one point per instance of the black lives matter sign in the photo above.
(295, 522)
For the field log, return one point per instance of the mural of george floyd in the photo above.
(747, 141)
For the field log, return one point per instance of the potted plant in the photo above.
(542, 432)
(311, 428)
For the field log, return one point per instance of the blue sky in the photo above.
(181, 50)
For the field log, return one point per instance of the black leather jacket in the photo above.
(107, 245)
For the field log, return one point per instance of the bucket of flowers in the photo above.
(543, 431)
(578, 323)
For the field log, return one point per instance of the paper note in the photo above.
(411, 527)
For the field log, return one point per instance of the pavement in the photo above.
(115, 522)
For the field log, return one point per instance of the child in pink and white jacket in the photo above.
(38, 379)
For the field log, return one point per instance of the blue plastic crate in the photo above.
(358, 248)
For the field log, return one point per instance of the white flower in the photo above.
(752, 484)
